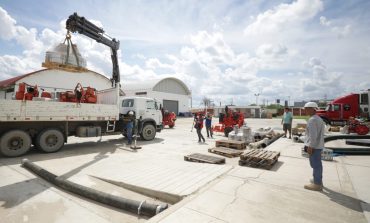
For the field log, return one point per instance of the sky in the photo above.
(226, 50)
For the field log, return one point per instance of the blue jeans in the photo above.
(129, 127)
(129, 135)
(316, 164)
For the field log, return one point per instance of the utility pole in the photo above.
(258, 94)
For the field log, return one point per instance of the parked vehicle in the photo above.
(146, 111)
(339, 111)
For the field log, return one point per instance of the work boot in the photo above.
(314, 187)
(311, 181)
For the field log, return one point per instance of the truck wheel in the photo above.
(50, 140)
(148, 132)
(15, 143)
(227, 131)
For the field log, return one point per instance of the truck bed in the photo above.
(16, 110)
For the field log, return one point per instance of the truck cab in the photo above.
(146, 112)
(341, 109)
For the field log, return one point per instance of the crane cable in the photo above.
(70, 44)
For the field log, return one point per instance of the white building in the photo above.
(171, 92)
(54, 80)
(249, 111)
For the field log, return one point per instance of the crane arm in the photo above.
(76, 23)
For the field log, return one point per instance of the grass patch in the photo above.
(305, 117)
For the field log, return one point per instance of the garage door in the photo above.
(171, 106)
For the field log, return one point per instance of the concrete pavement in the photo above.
(209, 193)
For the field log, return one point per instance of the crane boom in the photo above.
(76, 23)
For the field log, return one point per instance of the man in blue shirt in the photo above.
(129, 127)
(287, 122)
(209, 125)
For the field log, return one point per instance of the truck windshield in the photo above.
(128, 103)
(328, 108)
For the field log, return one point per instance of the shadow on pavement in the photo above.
(277, 166)
(74, 171)
(73, 149)
(17, 193)
(347, 201)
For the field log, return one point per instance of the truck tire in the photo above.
(50, 140)
(148, 132)
(15, 143)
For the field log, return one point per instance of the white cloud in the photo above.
(7, 25)
(283, 17)
(324, 21)
(320, 79)
(205, 47)
(340, 31)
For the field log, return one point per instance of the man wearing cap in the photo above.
(314, 144)
(130, 126)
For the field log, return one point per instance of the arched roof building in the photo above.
(171, 92)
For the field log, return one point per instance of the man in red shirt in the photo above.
(198, 126)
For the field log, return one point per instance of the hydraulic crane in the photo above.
(76, 23)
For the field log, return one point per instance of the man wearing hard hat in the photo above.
(314, 144)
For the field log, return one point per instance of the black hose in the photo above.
(137, 207)
(336, 137)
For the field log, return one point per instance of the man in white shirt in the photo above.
(314, 144)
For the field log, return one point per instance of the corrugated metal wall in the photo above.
(170, 86)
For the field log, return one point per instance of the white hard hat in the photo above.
(131, 113)
(311, 105)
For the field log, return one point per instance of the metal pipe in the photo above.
(336, 137)
(272, 140)
(137, 207)
(264, 142)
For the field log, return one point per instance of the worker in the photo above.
(286, 121)
(314, 144)
(79, 93)
(198, 126)
(209, 125)
(129, 126)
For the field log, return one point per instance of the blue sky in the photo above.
(302, 49)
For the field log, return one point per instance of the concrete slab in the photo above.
(213, 193)
(186, 215)
(360, 179)
(30, 199)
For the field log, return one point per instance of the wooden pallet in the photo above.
(259, 158)
(223, 151)
(231, 144)
(202, 158)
